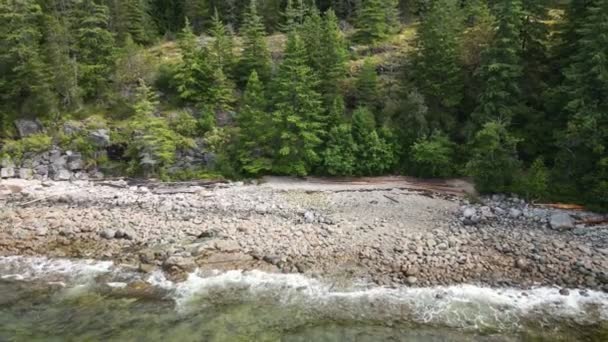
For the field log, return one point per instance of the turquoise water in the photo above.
(62, 300)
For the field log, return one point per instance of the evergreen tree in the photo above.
(255, 150)
(494, 164)
(221, 49)
(367, 85)
(95, 48)
(501, 71)
(197, 11)
(221, 92)
(311, 31)
(371, 22)
(585, 142)
(333, 57)
(297, 115)
(256, 55)
(374, 155)
(392, 15)
(438, 72)
(339, 156)
(24, 75)
(194, 75)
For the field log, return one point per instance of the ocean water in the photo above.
(86, 300)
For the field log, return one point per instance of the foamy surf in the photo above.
(466, 307)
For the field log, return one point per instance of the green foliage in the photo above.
(184, 123)
(367, 85)
(371, 22)
(24, 74)
(255, 55)
(534, 185)
(438, 73)
(374, 154)
(433, 156)
(193, 75)
(339, 156)
(297, 116)
(332, 57)
(494, 164)
(95, 48)
(34, 143)
(255, 133)
(220, 51)
(501, 69)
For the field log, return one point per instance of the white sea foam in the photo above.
(463, 306)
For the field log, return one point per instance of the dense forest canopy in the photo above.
(513, 93)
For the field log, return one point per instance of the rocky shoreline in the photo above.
(387, 234)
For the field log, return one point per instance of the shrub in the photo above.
(494, 164)
(184, 123)
(339, 156)
(432, 156)
(534, 184)
(35, 143)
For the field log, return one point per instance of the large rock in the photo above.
(561, 221)
(7, 163)
(62, 175)
(469, 212)
(74, 161)
(28, 127)
(7, 172)
(182, 263)
(26, 173)
(100, 138)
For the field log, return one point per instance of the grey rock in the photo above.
(7, 163)
(469, 212)
(561, 221)
(100, 138)
(586, 250)
(227, 246)
(442, 246)
(564, 292)
(486, 212)
(108, 234)
(514, 213)
(71, 128)
(180, 262)
(309, 217)
(411, 280)
(7, 172)
(41, 170)
(522, 264)
(26, 173)
(125, 233)
(75, 162)
(62, 175)
(26, 128)
(499, 211)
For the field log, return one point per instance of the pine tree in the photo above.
(478, 33)
(256, 55)
(95, 48)
(367, 85)
(339, 156)
(333, 57)
(25, 83)
(585, 141)
(371, 22)
(438, 72)
(138, 22)
(311, 31)
(290, 17)
(221, 92)
(221, 49)
(297, 115)
(194, 75)
(58, 48)
(392, 15)
(374, 155)
(501, 71)
(254, 150)
(197, 11)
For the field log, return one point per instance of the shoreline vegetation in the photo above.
(508, 93)
(388, 231)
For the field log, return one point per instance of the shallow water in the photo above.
(63, 300)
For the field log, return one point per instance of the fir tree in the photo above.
(254, 150)
(311, 31)
(367, 85)
(24, 75)
(333, 57)
(392, 15)
(95, 48)
(438, 72)
(297, 115)
(221, 49)
(585, 141)
(374, 155)
(256, 55)
(196, 11)
(194, 75)
(371, 22)
(339, 156)
(501, 71)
